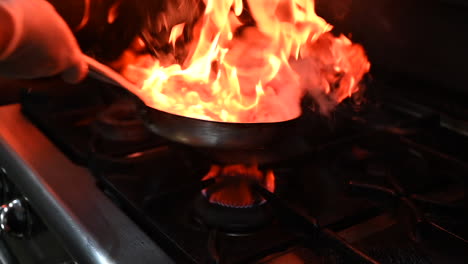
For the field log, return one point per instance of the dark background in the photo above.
(425, 41)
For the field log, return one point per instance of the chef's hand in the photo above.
(40, 43)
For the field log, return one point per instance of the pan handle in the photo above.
(103, 73)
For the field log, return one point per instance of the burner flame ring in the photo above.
(235, 220)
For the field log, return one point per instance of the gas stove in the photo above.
(378, 182)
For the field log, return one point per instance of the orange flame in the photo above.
(239, 192)
(253, 73)
(176, 31)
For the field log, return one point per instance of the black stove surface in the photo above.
(373, 185)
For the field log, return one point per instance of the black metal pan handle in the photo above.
(103, 73)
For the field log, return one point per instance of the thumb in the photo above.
(75, 73)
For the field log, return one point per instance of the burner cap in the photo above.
(237, 220)
(231, 203)
(234, 185)
(235, 192)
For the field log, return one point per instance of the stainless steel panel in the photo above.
(90, 227)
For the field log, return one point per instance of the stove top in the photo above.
(368, 184)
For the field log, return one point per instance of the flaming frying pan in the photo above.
(197, 132)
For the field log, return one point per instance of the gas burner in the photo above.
(234, 185)
(233, 220)
(235, 192)
(119, 122)
(231, 202)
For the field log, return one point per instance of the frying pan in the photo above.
(197, 132)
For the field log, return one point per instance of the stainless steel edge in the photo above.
(90, 227)
(5, 255)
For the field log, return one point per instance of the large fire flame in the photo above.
(233, 72)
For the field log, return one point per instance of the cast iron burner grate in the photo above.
(373, 187)
(317, 207)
